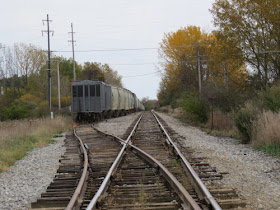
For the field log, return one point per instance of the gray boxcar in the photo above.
(94, 100)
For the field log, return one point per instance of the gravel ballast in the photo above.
(117, 126)
(254, 175)
(30, 176)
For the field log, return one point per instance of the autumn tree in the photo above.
(189, 50)
(255, 27)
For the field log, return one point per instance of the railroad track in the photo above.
(145, 171)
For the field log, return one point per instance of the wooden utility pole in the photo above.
(225, 70)
(58, 84)
(73, 50)
(199, 73)
(49, 57)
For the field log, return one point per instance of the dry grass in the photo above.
(18, 137)
(266, 129)
(222, 121)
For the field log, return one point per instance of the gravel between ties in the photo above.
(30, 176)
(254, 175)
(117, 126)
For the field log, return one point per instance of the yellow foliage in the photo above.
(28, 97)
(181, 51)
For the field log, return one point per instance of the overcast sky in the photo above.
(106, 25)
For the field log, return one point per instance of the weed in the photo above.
(272, 149)
(20, 136)
(266, 128)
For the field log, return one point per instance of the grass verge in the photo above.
(19, 137)
(272, 149)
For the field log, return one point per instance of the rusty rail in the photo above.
(191, 171)
(111, 171)
(177, 186)
(74, 199)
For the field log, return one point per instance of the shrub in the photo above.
(42, 109)
(194, 106)
(271, 98)
(15, 112)
(243, 119)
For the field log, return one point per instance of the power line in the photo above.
(130, 64)
(140, 75)
(109, 50)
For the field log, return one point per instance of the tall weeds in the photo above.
(18, 137)
(266, 129)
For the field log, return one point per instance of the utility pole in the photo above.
(2, 74)
(73, 42)
(199, 73)
(49, 56)
(225, 70)
(58, 84)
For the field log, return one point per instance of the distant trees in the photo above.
(149, 104)
(102, 72)
(25, 82)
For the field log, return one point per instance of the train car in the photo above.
(94, 100)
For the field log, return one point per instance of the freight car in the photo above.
(95, 100)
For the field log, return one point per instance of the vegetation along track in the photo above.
(120, 178)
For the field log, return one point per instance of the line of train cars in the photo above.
(95, 100)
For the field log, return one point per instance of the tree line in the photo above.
(24, 81)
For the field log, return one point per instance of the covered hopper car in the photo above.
(95, 100)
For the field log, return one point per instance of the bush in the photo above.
(15, 112)
(194, 106)
(42, 109)
(243, 119)
(271, 99)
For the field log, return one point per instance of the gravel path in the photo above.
(30, 176)
(254, 175)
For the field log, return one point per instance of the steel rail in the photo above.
(180, 190)
(113, 168)
(196, 178)
(74, 199)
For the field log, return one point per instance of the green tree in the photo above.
(101, 72)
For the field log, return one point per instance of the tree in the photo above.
(28, 59)
(255, 27)
(189, 49)
(101, 72)
(149, 104)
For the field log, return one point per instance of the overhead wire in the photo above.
(140, 75)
